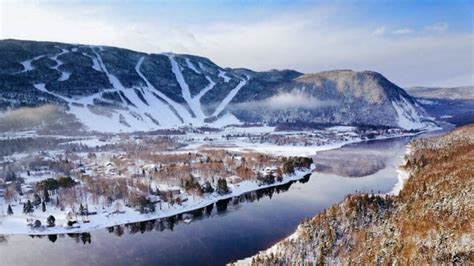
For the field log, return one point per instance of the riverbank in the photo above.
(17, 224)
(384, 229)
(279, 247)
(229, 230)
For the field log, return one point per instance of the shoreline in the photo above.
(242, 188)
(121, 219)
(402, 177)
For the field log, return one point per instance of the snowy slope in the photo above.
(407, 117)
(116, 90)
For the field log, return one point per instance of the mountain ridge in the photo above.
(124, 90)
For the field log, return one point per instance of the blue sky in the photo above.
(411, 42)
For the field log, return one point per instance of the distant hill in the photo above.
(455, 93)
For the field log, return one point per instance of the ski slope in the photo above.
(229, 97)
(27, 66)
(142, 108)
(64, 75)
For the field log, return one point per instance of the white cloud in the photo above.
(295, 99)
(402, 31)
(379, 31)
(438, 27)
(310, 40)
(285, 101)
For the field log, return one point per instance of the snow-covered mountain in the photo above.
(111, 90)
(454, 93)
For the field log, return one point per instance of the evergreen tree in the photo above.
(82, 210)
(9, 210)
(28, 207)
(46, 195)
(43, 206)
(36, 199)
(51, 220)
(222, 186)
(207, 188)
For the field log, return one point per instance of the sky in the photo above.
(412, 43)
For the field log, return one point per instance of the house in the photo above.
(175, 191)
(234, 179)
(154, 199)
(269, 171)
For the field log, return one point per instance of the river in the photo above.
(220, 233)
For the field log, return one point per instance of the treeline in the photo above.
(21, 145)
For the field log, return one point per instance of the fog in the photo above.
(285, 100)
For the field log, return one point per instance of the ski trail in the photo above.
(181, 111)
(191, 66)
(193, 102)
(156, 111)
(41, 87)
(95, 63)
(116, 84)
(222, 74)
(195, 108)
(134, 118)
(112, 78)
(27, 63)
(229, 97)
(209, 87)
(196, 101)
(83, 114)
(64, 75)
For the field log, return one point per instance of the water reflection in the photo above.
(215, 234)
(80, 238)
(159, 225)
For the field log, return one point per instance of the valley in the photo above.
(210, 164)
(70, 184)
(219, 233)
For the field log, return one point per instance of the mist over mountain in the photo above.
(111, 89)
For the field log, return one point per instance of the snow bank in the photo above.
(402, 176)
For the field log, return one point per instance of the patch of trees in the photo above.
(53, 184)
(142, 204)
(11, 146)
(207, 187)
(267, 178)
(28, 207)
(292, 163)
(222, 187)
(190, 184)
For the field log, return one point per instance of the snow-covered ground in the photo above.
(17, 223)
(408, 117)
(241, 145)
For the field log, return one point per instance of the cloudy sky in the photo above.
(427, 43)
